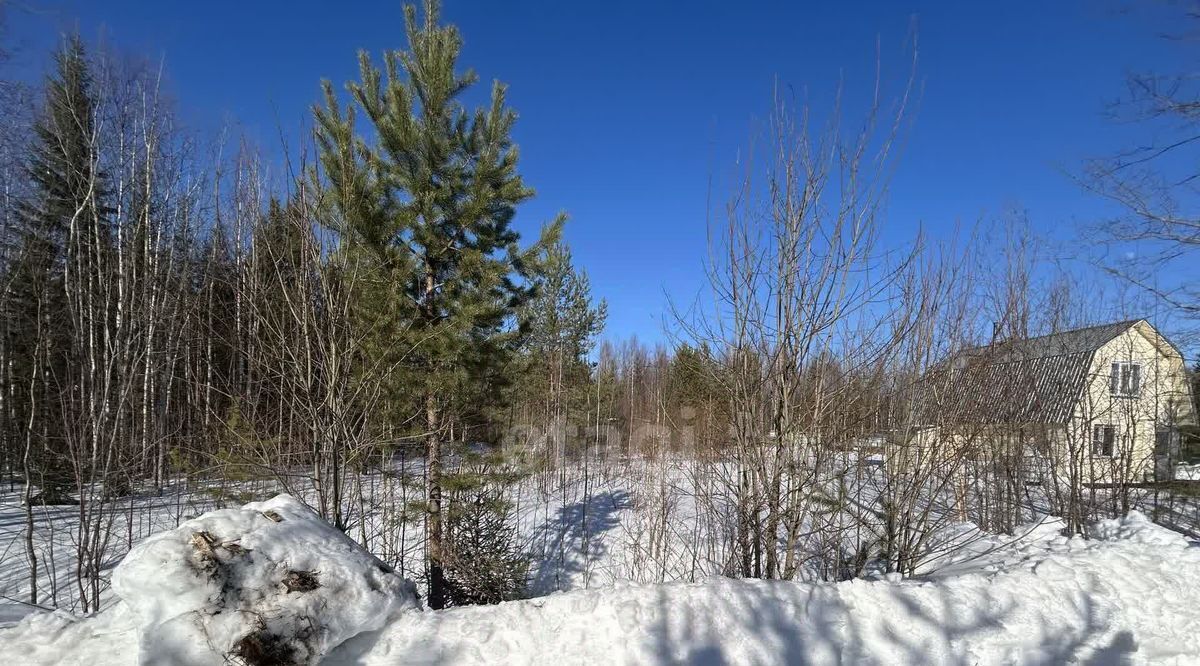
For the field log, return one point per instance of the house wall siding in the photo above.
(1063, 450)
(1163, 400)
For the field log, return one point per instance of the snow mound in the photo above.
(1123, 601)
(1136, 528)
(267, 583)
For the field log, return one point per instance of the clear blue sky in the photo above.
(628, 108)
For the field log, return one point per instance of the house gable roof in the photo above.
(1075, 341)
(1029, 381)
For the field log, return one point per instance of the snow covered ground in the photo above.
(646, 521)
(1187, 472)
(602, 545)
(1129, 595)
(1129, 599)
(57, 531)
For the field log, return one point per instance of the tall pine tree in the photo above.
(563, 324)
(427, 205)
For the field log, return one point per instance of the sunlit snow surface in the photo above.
(1130, 595)
(268, 577)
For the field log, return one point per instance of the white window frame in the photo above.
(1125, 379)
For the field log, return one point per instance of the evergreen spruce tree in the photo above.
(278, 247)
(67, 190)
(694, 397)
(485, 563)
(426, 206)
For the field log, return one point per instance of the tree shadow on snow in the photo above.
(757, 622)
(566, 544)
(766, 622)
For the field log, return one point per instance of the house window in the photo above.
(1125, 379)
(1104, 437)
(1164, 441)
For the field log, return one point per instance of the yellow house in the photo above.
(1100, 404)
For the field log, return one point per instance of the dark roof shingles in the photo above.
(1034, 380)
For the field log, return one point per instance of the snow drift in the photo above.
(1129, 595)
(268, 583)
